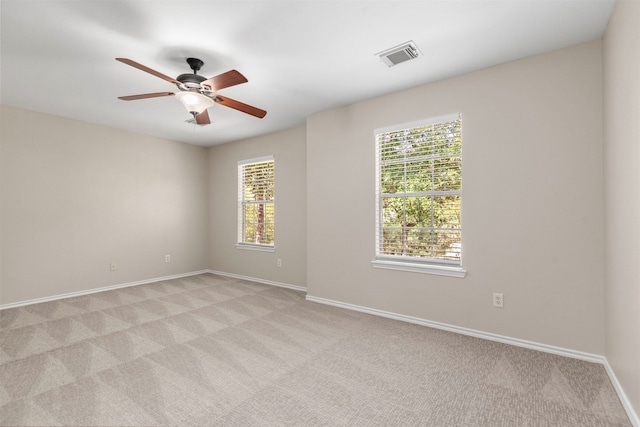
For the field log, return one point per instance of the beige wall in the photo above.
(622, 195)
(533, 197)
(288, 148)
(532, 203)
(77, 196)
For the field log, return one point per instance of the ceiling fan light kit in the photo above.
(197, 93)
(194, 102)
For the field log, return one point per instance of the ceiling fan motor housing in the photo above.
(190, 81)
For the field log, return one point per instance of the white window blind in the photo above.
(256, 197)
(419, 191)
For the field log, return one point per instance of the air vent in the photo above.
(399, 54)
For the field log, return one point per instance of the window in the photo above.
(256, 204)
(418, 196)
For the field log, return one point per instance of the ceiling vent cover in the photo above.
(399, 54)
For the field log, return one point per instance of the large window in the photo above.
(418, 196)
(256, 182)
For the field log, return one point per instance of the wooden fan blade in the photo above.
(237, 105)
(144, 96)
(230, 78)
(203, 118)
(147, 69)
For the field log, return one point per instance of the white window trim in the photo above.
(253, 246)
(256, 160)
(418, 123)
(414, 267)
(436, 267)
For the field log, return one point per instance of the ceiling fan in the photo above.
(196, 92)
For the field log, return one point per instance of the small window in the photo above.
(256, 185)
(419, 196)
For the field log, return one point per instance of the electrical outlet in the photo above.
(498, 300)
(167, 258)
(279, 262)
(112, 266)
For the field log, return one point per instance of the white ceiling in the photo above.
(300, 57)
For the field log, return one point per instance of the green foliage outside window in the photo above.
(420, 185)
(257, 200)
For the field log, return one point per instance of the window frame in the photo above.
(242, 203)
(412, 263)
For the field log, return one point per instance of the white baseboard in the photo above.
(465, 331)
(624, 400)
(589, 357)
(255, 279)
(95, 290)
(144, 282)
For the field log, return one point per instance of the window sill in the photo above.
(440, 270)
(260, 248)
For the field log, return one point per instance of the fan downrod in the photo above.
(195, 64)
(191, 81)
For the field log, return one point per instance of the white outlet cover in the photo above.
(498, 299)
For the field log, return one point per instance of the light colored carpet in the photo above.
(210, 350)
